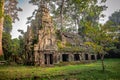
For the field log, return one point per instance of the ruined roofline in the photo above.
(59, 50)
(47, 50)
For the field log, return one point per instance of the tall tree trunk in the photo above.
(102, 62)
(61, 14)
(1, 23)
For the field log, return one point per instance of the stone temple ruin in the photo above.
(47, 46)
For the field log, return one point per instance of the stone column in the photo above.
(58, 56)
(89, 56)
(55, 57)
(61, 57)
(71, 57)
(36, 58)
(48, 59)
(95, 56)
(82, 56)
(42, 59)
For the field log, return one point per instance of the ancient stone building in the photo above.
(46, 46)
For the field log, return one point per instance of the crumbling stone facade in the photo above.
(48, 49)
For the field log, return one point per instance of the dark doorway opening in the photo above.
(51, 59)
(45, 55)
(86, 56)
(76, 57)
(65, 57)
(92, 57)
(48, 59)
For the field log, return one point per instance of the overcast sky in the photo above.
(113, 5)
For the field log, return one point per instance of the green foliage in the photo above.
(114, 26)
(21, 45)
(58, 34)
(115, 18)
(7, 45)
(59, 44)
(2, 58)
(91, 14)
(68, 44)
(12, 9)
(6, 39)
(100, 40)
(35, 40)
(94, 48)
(7, 24)
(15, 46)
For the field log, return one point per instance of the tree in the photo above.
(15, 46)
(7, 45)
(114, 19)
(6, 40)
(7, 24)
(10, 9)
(1, 23)
(99, 40)
(114, 24)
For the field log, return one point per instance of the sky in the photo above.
(113, 5)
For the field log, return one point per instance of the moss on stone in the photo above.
(72, 49)
(59, 44)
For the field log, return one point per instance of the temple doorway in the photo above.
(92, 57)
(48, 59)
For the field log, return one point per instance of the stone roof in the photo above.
(73, 38)
(71, 42)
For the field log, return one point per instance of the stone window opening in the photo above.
(76, 57)
(92, 57)
(86, 56)
(65, 57)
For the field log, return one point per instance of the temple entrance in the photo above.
(48, 59)
(76, 57)
(45, 55)
(65, 57)
(51, 59)
(92, 57)
(86, 56)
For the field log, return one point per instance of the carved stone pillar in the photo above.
(95, 56)
(42, 60)
(48, 59)
(71, 56)
(89, 56)
(82, 56)
(61, 58)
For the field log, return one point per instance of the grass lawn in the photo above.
(91, 71)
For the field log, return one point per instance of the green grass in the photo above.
(90, 71)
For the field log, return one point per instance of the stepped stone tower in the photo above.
(45, 49)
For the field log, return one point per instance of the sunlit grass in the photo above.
(91, 71)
